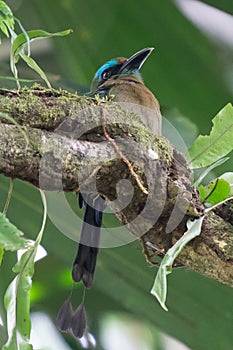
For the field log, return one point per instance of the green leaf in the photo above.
(10, 237)
(5, 10)
(3, 28)
(210, 148)
(32, 64)
(25, 33)
(17, 50)
(17, 304)
(1, 253)
(204, 192)
(6, 19)
(216, 192)
(21, 80)
(209, 169)
(6, 15)
(17, 297)
(22, 39)
(159, 289)
(229, 178)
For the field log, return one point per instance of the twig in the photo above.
(8, 196)
(123, 157)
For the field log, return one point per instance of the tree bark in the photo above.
(59, 143)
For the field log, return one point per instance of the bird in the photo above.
(120, 77)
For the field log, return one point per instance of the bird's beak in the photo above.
(136, 61)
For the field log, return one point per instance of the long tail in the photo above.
(85, 261)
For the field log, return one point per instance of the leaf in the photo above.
(17, 297)
(210, 148)
(10, 237)
(204, 191)
(32, 64)
(3, 28)
(25, 33)
(229, 178)
(1, 253)
(6, 15)
(208, 170)
(21, 39)
(21, 80)
(6, 19)
(17, 51)
(216, 192)
(5, 10)
(17, 303)
(159, 289)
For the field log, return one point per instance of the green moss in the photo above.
(44, 108)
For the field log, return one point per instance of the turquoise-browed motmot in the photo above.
(121, 78)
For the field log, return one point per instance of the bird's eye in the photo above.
(106, 74)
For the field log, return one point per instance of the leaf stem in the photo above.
(11, 185)
(40, 234)
(216, 205)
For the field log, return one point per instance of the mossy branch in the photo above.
(67, 150)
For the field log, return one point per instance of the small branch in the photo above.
(123, 157)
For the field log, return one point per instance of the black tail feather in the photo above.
(85, 261)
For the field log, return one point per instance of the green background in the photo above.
(189, 74)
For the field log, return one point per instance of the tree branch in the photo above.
(67, 151)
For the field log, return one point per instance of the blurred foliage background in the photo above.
(191, 73)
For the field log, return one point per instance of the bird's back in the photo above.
(131, 91)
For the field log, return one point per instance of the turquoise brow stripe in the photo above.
(107, 65)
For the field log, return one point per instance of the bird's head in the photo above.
(120, 66)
